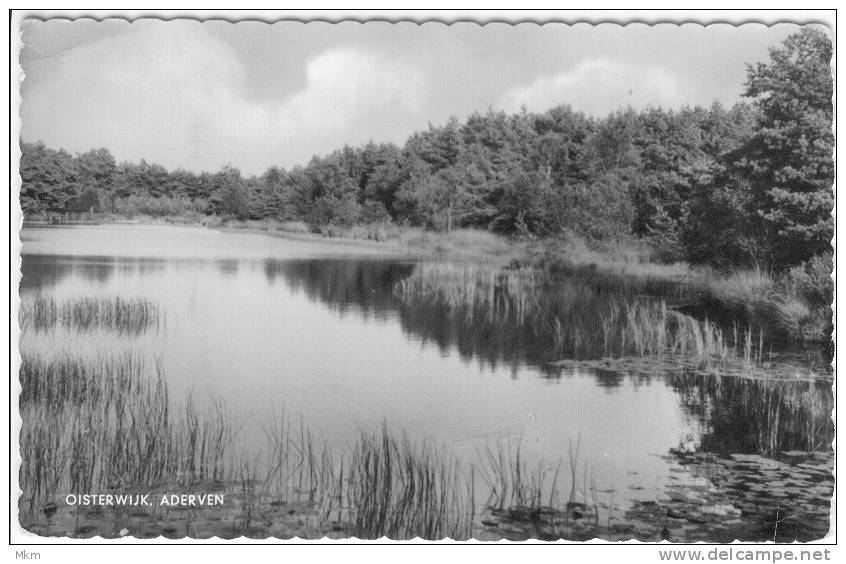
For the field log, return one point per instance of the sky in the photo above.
(199, 96)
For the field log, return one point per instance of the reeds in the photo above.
(401, 491)
(499, 294)
(98, 424)
(566, 317)
(107, 422)
(380, 486)
(95, 424)
(794, 305)
(513, 483)
(92, 424)
(653, 329)
(126, 316)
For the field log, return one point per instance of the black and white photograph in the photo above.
(330, 279)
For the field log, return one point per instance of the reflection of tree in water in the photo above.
(41, 272)
(740, 415)
(766, 416)
(609, 379)
(493, 332)
(493, 341)
(531, 321)
(367, 287)
(227, 267)
(345, 285)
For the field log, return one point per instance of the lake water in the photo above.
(270, 325)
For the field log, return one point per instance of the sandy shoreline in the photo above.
(205, 243)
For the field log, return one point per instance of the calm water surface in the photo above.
(267, 324)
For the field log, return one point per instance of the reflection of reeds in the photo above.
(133, 316)
(777, 415)
(568, 317)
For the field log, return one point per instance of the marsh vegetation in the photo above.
(584, 316)
(130, 316)
(108, 424)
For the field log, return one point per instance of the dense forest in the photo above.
(748, 185)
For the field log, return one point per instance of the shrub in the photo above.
(811, 280)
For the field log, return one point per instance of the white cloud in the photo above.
(138, 94)
(345, 85)
(597, 87)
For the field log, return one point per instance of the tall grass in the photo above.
(743, 289)
(131, 316)
(92, 425)
(400, 490)
(532, 494)
(626, 262)
(794, 305)
(499, 295)
(380, 486)
(89, 425)
(653, 329)
(514, 483)
(566, 317)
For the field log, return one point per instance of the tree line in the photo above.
(749, 184)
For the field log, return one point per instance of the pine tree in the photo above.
(788, 161)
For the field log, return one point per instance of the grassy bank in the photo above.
(461, 245)
(794, 305)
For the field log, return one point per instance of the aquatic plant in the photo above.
(400, 490)
(132, 316)
(513, 483)
(566, 317)
(91, 424)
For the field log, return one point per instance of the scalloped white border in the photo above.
(635, 551)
